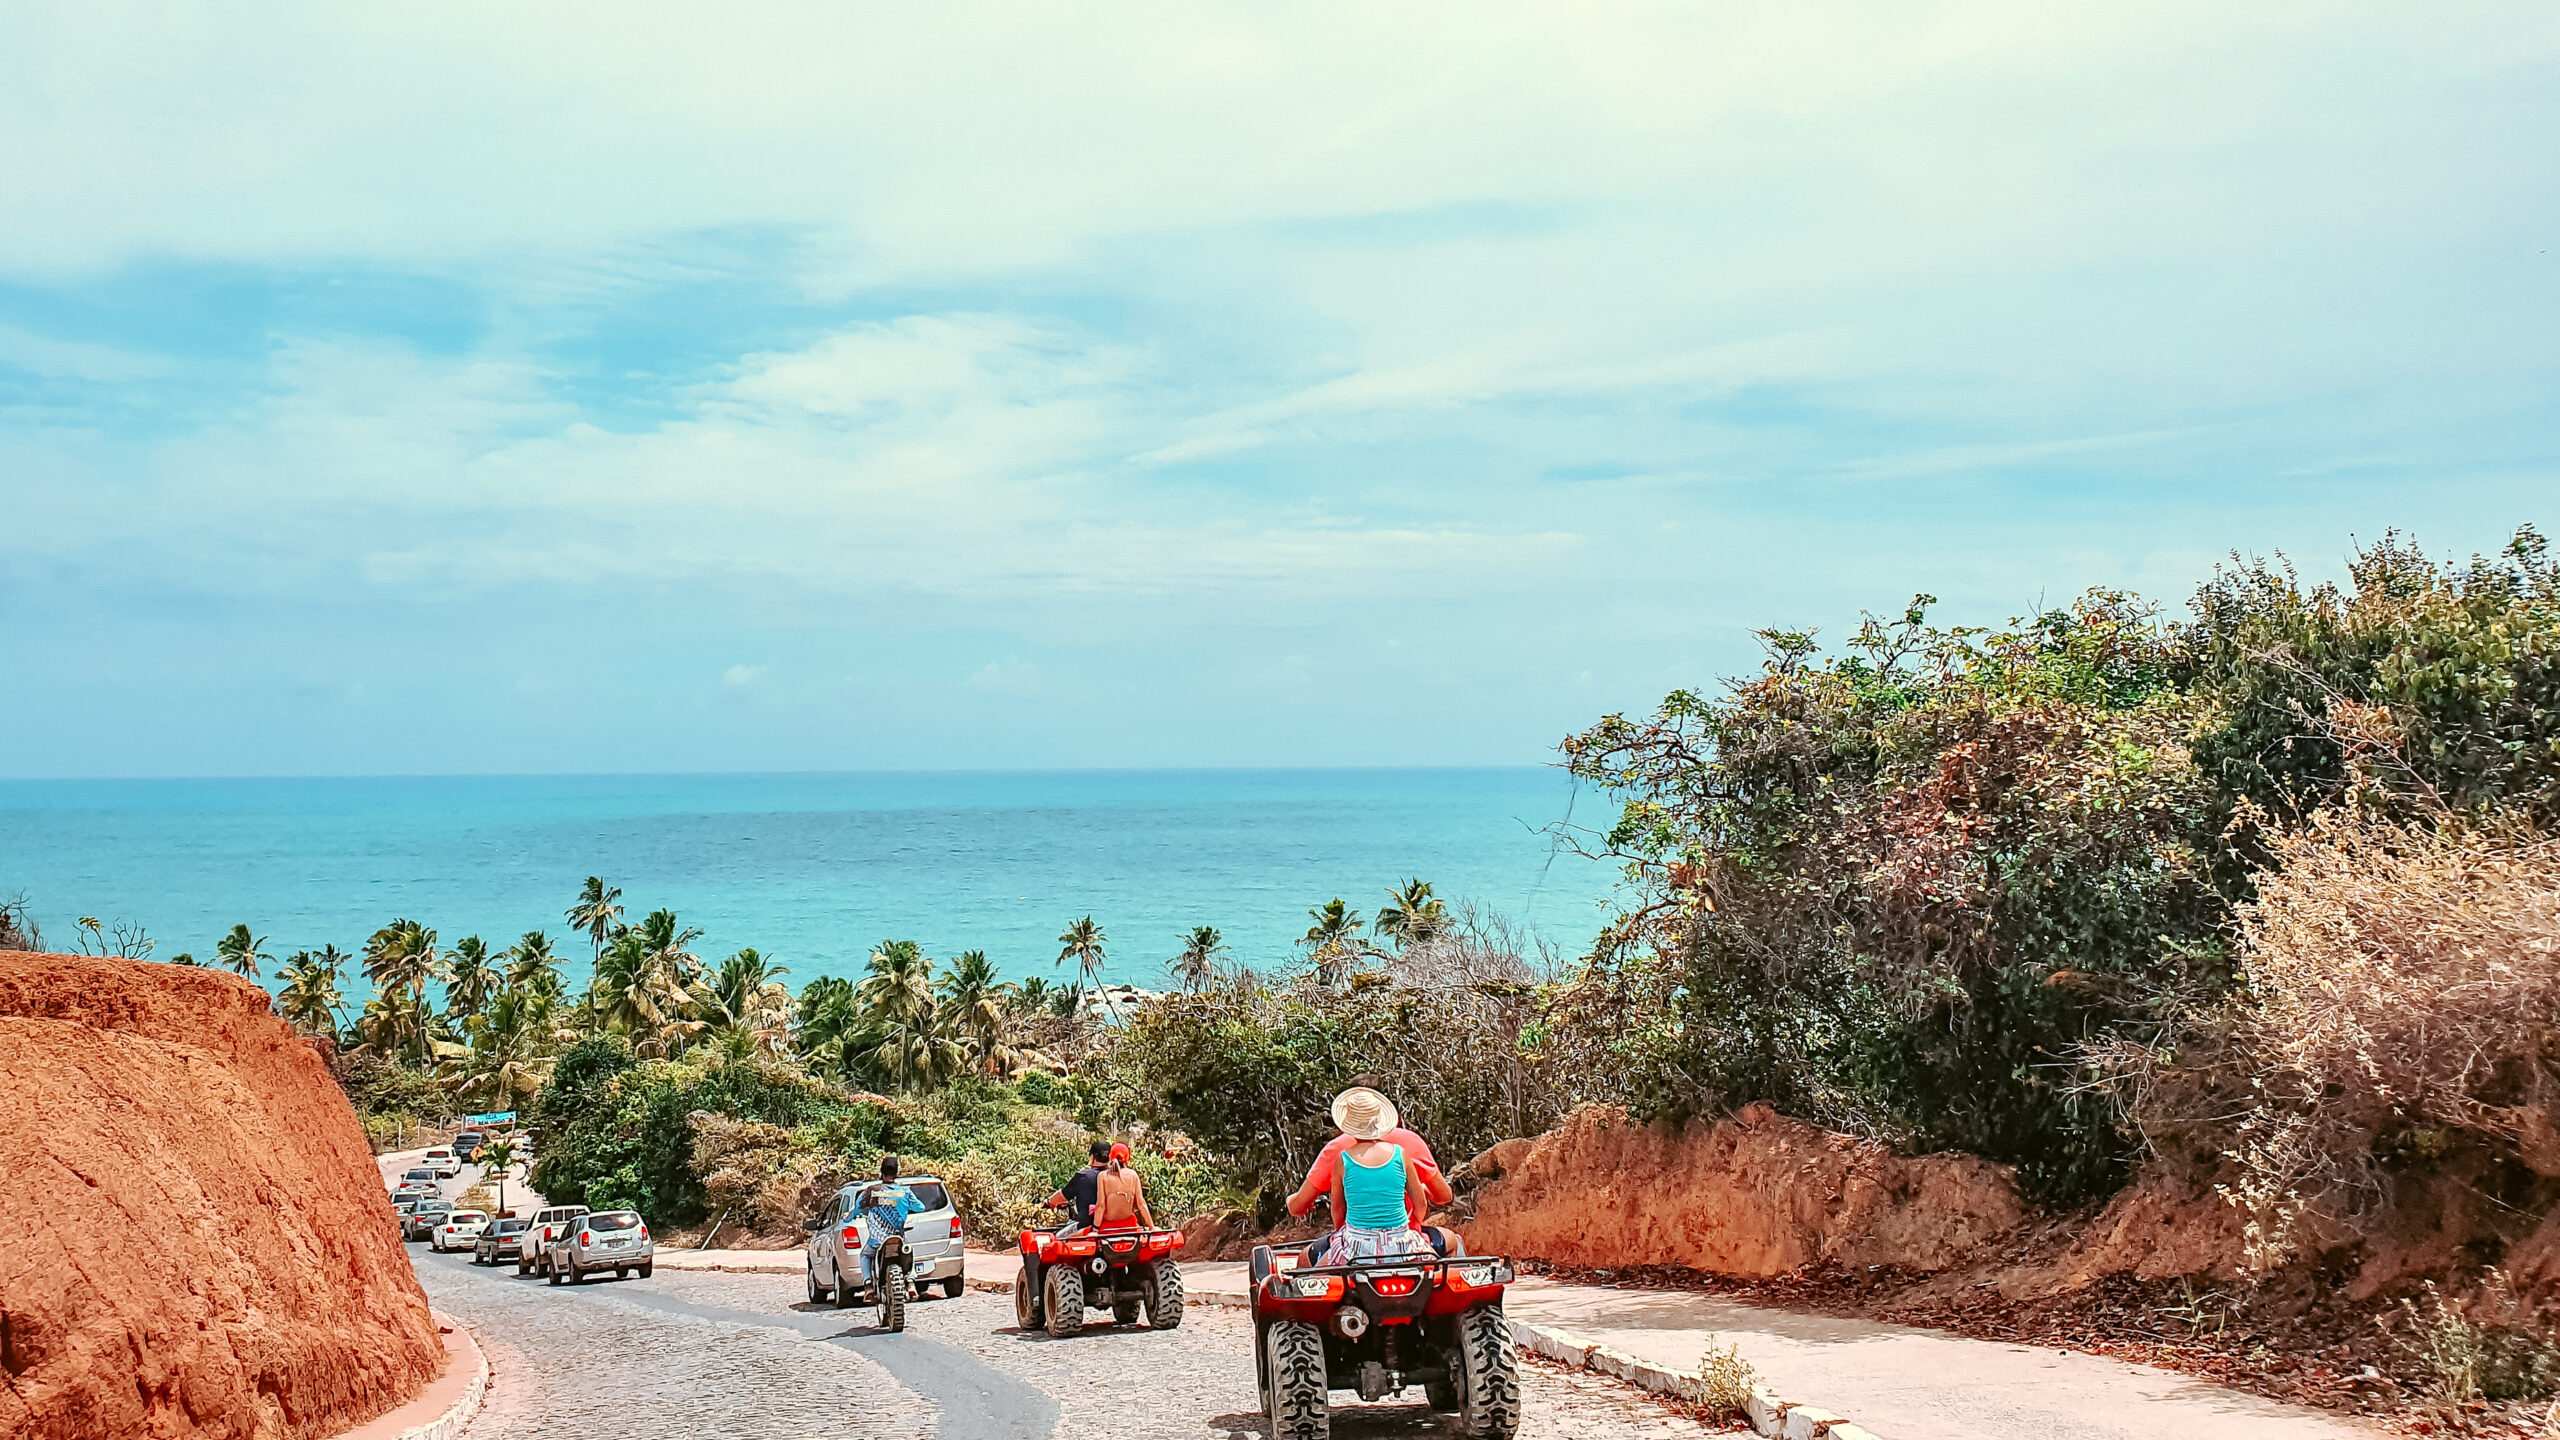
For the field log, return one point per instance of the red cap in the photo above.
(1120, 1152)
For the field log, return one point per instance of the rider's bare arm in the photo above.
(1435, 1186)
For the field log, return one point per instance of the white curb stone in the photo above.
(1805, 1422)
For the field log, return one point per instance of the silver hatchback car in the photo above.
(614, 1240)
(933, 1238)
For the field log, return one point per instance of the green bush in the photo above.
(619, 1134)
(1040, 1088)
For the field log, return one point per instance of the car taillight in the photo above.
(583, 1238)
(853, 1234)
(955, 1227)
(644, 1232)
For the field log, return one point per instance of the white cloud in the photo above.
(738, 677)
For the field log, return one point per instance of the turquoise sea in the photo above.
(813, 870)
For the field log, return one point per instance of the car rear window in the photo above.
(508, 1227)
(929, 1194)
(613, 1220)
(421, 1173)
(459, 1216)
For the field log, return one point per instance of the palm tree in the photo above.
(310, 1000)
(497, 1158)
(973, 1000)
(397, 1020)
(747, 998)
(529, 957)
(899, 985)
(1197, 965)
(241, 952)
(1410, 916)
(916, 1052)
(400, 958)
(833, 1039)
(1333, 941)
(633, 994)
(597, 912)
(669, 946)
(1082, 943)
(1031, 997)
(513, 1049)
(469, 979)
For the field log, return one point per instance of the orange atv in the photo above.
(1376, 1326)
(1120, 1270)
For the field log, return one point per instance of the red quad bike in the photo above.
(1377, 1327)
(1116, 1270)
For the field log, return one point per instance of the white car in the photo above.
(533, 1248)
(459, 1229)
(444, 1162)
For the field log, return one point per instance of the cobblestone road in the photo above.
(729, 1355)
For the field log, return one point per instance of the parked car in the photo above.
(459, 1229)
(497, 1241)
(443, 1162)
(533, 1247)
(422, 1222)
(933, 1240)
(614, 1240)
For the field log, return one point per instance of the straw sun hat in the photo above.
(1363, 1113)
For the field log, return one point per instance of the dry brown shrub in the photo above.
(2402, 999)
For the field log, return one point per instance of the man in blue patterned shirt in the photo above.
(883, 1211)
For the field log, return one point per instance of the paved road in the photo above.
(694, 1354)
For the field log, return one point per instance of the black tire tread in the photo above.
(1489, 1377)
(1065, 1302)
(1300, 1404)
(1164, 1295)
(1028, 1311)
(893, 1298)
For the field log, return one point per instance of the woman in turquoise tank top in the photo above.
(1370, 1199)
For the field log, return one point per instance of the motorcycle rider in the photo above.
(883, 1212)
(1078, 1195)
(1325, 1176)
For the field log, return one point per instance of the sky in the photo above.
(407, 389)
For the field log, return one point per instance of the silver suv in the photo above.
(614, 1240)
(533, 1248)
(933, 1238)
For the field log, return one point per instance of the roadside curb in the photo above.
(443, 1418)
(1769, 1414)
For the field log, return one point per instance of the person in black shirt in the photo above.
(1078, 1196)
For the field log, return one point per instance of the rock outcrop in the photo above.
(194, 1240)
(1757, 1194)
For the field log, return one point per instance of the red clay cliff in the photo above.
(194, 1240)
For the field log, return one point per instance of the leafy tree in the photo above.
(1898, 891)
(241, 953)
(598, 912)
(635, 994)
(1197, 965)
(532, 967)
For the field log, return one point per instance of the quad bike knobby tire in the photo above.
(1488, 1377)
(1027, 1311)
(1163, 1293)
(817, 1292)
(1065, 1302)
(893, 1298)
(1296, 1398)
